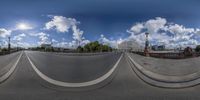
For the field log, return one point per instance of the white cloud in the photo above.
(4, 42)
(77, 33)
(139, 39)
(197, 31)
(19, 37)
(84, 42)
(153, 25)
(72, 44)
(66, 44)
(61, 24)
(4, 33)
(23, 44)
(163, 32)
(180, 29)
(112, 43)
(54, 41)
(33, 34)
(44, 38)
(61, 44)
(137, 28)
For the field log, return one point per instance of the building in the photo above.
(46, 46)
(129, 45)
(158, 47)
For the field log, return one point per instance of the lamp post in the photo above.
(146, 49)
(8, 44)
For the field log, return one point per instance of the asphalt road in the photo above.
(73, 68)
(7, 61)
(24, 85)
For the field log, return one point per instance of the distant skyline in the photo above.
(174, 23)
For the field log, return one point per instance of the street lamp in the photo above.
(146, 49)
(9, 44)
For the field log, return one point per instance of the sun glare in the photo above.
(23, 26)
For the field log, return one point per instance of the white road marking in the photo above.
(67, 84)
(6, 75)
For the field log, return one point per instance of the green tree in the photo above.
(106, 48)
(197, 49)
(94, 47)
(80, 49)
(4, 50)
(86, 48)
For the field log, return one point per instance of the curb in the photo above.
(145, 76)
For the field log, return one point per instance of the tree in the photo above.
(4, 49)
(80, 49)
(86, 48)
(188, 51)
(197, 49)
(94, 47)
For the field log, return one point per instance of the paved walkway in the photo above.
(168, 66)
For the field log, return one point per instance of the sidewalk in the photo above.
(166, 73)
(169, 67)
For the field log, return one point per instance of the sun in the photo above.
(23, 26)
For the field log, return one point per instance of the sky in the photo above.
(67, 23)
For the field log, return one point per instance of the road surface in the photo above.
(73, 68)
(23, 84)
(7, 61)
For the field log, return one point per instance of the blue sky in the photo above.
(109, 21)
